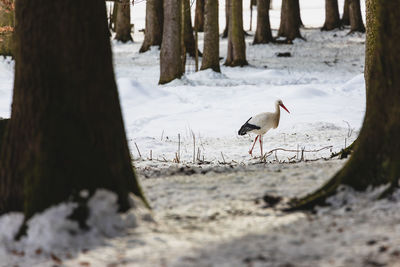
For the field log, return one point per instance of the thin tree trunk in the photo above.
(211, 37)
(66, 132)
(356, 22)
(346, 15)
(171, 47)
(154, 24)
(252, 3)
(236, 45)
(263, 32)
(190, 45)
(199, 16)
(113, 19)
(123, 23)
(375, 160)
(332, 17)
(290, 24)
(225, 33)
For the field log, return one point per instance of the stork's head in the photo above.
(280, 103)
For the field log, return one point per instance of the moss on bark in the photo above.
(376, 158)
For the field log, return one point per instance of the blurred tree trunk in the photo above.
(190, 45)
(3, 125)
(199, 16)
(225, 33)
(376, 158)
(66, 132)
(123, 22)
(113, 18)
(154, 24)
(263, 32)
(290, 24)
(346, 15)
(297, 13)
(356, 22)
(211, 37)
(6, 28)
(171, 66)
(332, 17)
(236, 55)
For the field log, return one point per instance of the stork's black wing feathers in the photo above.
(247, 127)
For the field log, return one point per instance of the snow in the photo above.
(212, 214)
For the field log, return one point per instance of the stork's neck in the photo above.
(277, 115)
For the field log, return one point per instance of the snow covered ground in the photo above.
(210, 212)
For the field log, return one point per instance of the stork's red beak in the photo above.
(282, 105)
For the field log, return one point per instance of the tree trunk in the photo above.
(290, 24)
(297, 13)
(236, 44)
(332, 17)
(199, 16)
(211, 37)
(113, 19)
(66, 132)
(376, 158)
(190, 44)
(356, 22)
(171, 46)
(123, 23)
(225, 33)
(3, 125)
(263, 32)
(346, 16)
(154, 24)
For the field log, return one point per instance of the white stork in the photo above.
(261, 123)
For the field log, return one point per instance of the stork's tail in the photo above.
(247, 127)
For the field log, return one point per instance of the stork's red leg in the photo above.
(261, 146)
(251, 150)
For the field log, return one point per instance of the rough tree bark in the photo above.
(154, 24)
(66, 131)
(375, 160)
(199, 15)
(346, 17)
(356, 22)
(289, 25)
(263, 32)
(236, 55)
(123, 21)
(332, 17)
(211, 37)
(171, 66)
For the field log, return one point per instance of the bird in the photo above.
(261, 123)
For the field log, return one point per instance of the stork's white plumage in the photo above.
(261, 123)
